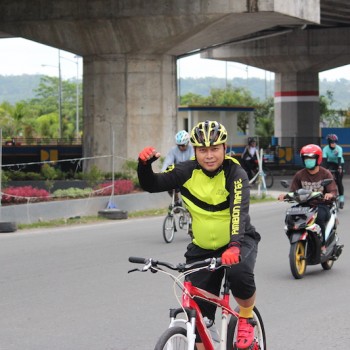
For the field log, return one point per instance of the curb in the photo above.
(46, 211)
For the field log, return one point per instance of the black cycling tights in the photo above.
(339, 181)
(338, 177)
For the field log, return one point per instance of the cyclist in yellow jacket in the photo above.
(215, 190)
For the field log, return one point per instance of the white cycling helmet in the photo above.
(182, 138)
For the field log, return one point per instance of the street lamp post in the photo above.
(77, 93)
(77, 100)
(59, 93)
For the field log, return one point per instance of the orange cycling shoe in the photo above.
(245, 333)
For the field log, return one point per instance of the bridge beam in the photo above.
(296, 57)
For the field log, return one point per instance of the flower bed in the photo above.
(25, 194)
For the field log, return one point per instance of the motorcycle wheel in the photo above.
(327, 265)
(297, 259)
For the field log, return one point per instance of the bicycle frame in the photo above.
(172, 207)
(173, 199)
(223, 302)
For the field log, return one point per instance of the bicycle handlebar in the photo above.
(210, 263)
(136, 260)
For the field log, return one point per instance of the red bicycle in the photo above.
(181, 334)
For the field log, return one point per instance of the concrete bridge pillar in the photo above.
(297, 108)
(117, 86)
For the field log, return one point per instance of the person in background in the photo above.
(333, 160)
(215, 190)
(249, 157)
(177, 154)
(310, 178)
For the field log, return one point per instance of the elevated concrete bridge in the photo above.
(129, 50)
(296, 55)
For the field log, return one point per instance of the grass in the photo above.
(80, 220)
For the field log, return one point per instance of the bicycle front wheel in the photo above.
(259, 332)
(173, 338)
(169, 228)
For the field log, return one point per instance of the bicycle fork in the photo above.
(189, 325)
(191, 322)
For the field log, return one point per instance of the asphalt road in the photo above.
(68, 288)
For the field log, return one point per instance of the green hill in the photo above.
(15, 88)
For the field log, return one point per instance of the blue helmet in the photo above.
(182, 138)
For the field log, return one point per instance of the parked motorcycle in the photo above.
(305, 235)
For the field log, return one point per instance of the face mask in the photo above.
(310, 163)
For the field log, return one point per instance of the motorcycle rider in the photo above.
(333, 160)
(215, 189)
(310, 178)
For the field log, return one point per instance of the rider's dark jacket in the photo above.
(218, 203)
(313, 182)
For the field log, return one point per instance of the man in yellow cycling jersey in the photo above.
(215, 190)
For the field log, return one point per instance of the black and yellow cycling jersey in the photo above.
(218, 203)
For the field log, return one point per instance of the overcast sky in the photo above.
(20, 56)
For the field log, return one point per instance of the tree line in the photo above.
(38, 116)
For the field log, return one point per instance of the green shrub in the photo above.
(78, 176)
(130, 168)
(49, 174)
(32, 176)
(16, 175)
(60, 175)
(94, 176)
(19, 175)
(72, 193)
(4, 179)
